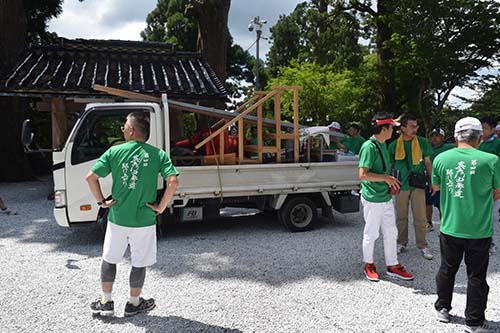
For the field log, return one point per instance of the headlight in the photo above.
(60, 199)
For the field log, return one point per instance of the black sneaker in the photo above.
(145, 305)
(106, 309)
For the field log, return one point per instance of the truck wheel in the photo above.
(298, 214)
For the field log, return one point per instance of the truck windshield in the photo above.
(97, 132)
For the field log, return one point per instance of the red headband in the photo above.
(385, 122)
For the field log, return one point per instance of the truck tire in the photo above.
(298, 214)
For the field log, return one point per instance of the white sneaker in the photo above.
(401, 248)
(484, 328)
(426, 253)
(8, 211)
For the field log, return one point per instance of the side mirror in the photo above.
(27, 135)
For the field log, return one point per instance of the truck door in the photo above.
(98, 130)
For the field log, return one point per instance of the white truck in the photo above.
(295, 190)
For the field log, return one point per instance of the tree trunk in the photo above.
(212, 16)
(385, 54)
(13, 44)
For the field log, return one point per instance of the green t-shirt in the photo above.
(402, 165)
(438, 150)
(491, 146)
(134, 167)
(467, 177)
(353, 144)
(369, 157)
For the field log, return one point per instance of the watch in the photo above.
(100, 203)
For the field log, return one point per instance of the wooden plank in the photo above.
(221, 147)
(264, 149)
(241, 141)
(126, 94)
(238, 117)
(228, 159)
(238, 110)
(287, 87)
(259, 134)
(59, 122)
(277, 118)
(296, 126)
(249, 161)
(284, 136)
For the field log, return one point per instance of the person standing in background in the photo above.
(436, 138)
(410, 154)
(469, 182)
(354, 141)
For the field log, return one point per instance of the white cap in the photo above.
(468, 123)
(497, 128)
(335, 125)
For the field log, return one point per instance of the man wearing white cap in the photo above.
(497, 130)
(462, 175)
(336, 142)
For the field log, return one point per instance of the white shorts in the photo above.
(142, 243)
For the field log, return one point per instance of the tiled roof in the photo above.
(72, 67)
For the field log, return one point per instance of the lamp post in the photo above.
(256, 23)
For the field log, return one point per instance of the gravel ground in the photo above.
(244, 274)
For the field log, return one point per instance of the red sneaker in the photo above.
(371, 272)
(399, 272)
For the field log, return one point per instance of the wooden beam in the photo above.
(241, 141)
(235, 119)
(296, 126)
(238, 110)
(287, 87)
(59, 122)
(259, 133)
(126, 94)
(277, 118)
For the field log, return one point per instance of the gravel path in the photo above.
(244, 274)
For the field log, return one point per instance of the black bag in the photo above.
(417, 180)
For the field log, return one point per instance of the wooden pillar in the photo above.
(259, 134)
(277, 118)
(296, 124)
(241, 141)
(59, 121)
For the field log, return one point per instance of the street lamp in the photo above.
(257, 24)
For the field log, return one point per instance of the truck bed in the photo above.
(256, 179)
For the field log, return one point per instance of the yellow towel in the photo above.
(416, 152)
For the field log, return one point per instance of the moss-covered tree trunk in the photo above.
(13, 44)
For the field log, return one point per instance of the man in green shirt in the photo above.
(134, 167)
(436, 138)
(490, 144)
(411, 153)
(378, 209)
(469, 180)
(354, 141)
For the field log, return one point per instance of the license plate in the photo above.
(192, 213)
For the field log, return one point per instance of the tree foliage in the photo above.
(315, 32)
(329, 95)
(439, 45)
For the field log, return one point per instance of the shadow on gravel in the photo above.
(173, 324)
(253, 248)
